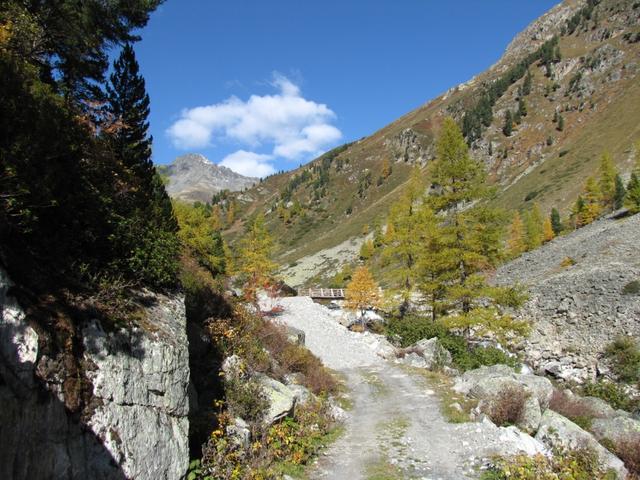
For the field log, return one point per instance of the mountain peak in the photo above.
(193, 177)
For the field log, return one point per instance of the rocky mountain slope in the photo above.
(581, 296)
(193, 177)
(579, 62)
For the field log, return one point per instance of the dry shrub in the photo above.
(572, 408)
(628, 449)
(292, 358)
(357, 328)
(507, 406)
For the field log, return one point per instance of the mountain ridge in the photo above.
(193, 177)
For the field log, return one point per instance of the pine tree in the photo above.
(632, 201)
(607, 181)
(556, 222)
(577, 212)
(507, 129)
(516, 244)
(533, 226)
(517, 119)
(128, 103)
(522, 107)
(547, 230)
(362, 293)
(560, 126)
(145, 208)
(526, 86)
(620, 193)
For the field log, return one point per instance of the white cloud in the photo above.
(249, 164)
(286, 122)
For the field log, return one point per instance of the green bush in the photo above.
(632, 288)
(246, 399)
(613, 394)
(409, 330)
(624, 354)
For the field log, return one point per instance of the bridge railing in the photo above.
(321, 292)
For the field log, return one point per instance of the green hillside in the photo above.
(581, 60)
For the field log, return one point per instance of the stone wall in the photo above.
(131, 386)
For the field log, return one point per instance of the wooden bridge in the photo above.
(328, 293)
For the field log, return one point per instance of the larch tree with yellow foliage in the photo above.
(533, 227)
(362, 292)
(253, 263)
(516, 244)
(589, 205)
(386, 168)
(607, 181)
(547, 230)
(401, 237)
(469, 238)
(200, 232)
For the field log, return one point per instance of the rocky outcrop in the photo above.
(409, 146)
(540, 30)
(484, 382)
(578, 302)
(615, 429)
(488, 384)
(132, 417)
(426, 353)
(560, 433)
(282, 399)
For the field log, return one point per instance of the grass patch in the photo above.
(396, 427)
(383, 470)
(442, 385)
(299, 471)
(378, 386)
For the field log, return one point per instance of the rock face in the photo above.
(487, 383)
(409, 146)
(194, 178)
(133, 423)
(558, 432)
(427, 353)
(484, 382)
(615, 429)
(577, 299)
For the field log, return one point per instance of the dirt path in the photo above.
(395, 429)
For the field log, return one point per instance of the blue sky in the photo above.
(267, 85)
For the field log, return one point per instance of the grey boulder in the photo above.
(558, 432)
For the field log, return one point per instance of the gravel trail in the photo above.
(395, 429)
